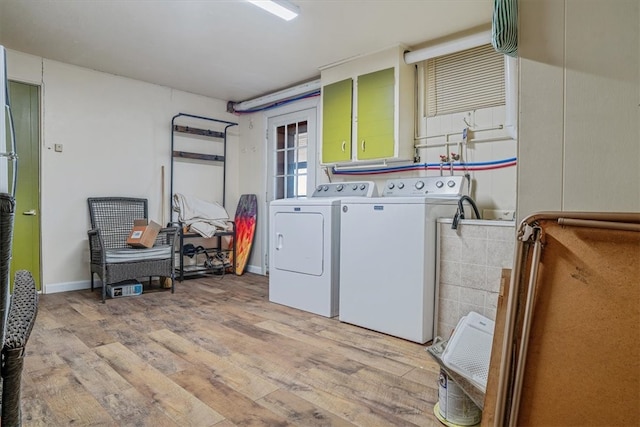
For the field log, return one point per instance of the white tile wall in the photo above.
(491, 189)
(470, 263)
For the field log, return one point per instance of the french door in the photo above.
(291, 157)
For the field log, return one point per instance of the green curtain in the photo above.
(504, 27)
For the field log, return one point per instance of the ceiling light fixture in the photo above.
(281, 8)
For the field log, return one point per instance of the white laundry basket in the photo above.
(468, 351)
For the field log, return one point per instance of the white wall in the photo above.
(579, 133)
(252, 152)
(116, 134)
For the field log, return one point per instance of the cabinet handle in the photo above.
(362, 146)
(344, 145)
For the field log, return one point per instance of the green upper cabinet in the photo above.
(368, 109)
(376, 136)
(336, 121)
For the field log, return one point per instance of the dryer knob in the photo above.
(355, 187)
(400, 185)
(451, 183)
(325, 188)
(439, 184)
(419, 185)
(319, 188)
(339, 187)
(363, 186)
(390, 186)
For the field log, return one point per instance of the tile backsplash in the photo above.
(470, 264)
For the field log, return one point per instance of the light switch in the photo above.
(57, 148)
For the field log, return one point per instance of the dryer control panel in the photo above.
(435, 186)
(346, 189)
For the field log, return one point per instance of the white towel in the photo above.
(202, 217)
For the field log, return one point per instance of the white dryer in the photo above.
(388, 255)
(304, 247)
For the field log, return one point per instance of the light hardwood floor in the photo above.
(216, 352)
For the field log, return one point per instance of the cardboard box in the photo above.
(124, 290)
(143, 234)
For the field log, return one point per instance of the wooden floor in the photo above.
(216, 352)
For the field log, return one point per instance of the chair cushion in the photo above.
(138, 254)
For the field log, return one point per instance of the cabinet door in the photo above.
(376, 135)
(337, 100)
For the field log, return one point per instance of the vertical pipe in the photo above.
(511, 95)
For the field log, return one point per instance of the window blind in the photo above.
(464, 81)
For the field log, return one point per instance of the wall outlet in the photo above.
(499, 214)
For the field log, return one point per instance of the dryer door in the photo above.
(298, 242)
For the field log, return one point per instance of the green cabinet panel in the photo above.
(376, 133)
(337, 101)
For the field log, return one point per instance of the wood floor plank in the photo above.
(384, 345)
(359, 355)
(301, 412)
(384, 396)
(131, 408)
(47, 320)
(352, 410)
(231, 375)
(234, 406)
(67, 399)
(180, 405)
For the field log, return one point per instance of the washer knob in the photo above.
(419, 185)
(439, 184)
(401, 185)
(319, 188)
(354, 187)
(451, 183)
(363, 186)
(325, 188)
(391, 186)
(339, 187)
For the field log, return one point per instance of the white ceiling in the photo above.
(225, 49)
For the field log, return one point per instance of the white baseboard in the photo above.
(53, 288)
(254, 269)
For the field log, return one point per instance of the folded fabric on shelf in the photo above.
(202, 217)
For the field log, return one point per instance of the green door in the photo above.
(337, 110)
(26, 233)
(376, 115)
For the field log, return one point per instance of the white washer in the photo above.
(304, 247)
(388, 255)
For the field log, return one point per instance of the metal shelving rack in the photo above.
(220, 160)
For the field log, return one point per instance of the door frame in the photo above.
(312, 177)
(40, 286)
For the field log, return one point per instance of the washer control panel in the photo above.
(436, 186)
(346, 189)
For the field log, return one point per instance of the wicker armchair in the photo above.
(17, 316)
(111, 259)
(22, 315)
